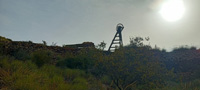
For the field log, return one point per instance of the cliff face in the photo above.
(9, 47)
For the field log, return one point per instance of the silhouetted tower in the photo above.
(117, 40)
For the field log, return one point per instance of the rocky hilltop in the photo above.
(9, 46)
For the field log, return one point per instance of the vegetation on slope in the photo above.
(135, 66)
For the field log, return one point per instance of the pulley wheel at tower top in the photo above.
(120, 27)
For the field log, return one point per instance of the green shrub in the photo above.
(191, 85)
(1, 48)
(79, 84)
(74, 63)
(20, 75)
(41, 57)
(21, 55)
(71, 74)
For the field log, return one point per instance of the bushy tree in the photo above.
(101, 46)
(134, 66)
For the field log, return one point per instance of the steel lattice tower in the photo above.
(117, 40)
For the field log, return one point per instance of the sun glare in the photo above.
(172, 10)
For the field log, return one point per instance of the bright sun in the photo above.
(172, 10)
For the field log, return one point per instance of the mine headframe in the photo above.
(117, 40)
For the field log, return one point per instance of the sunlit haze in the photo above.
(172, 10)
(168, 23)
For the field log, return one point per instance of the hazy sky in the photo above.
(77, 21)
